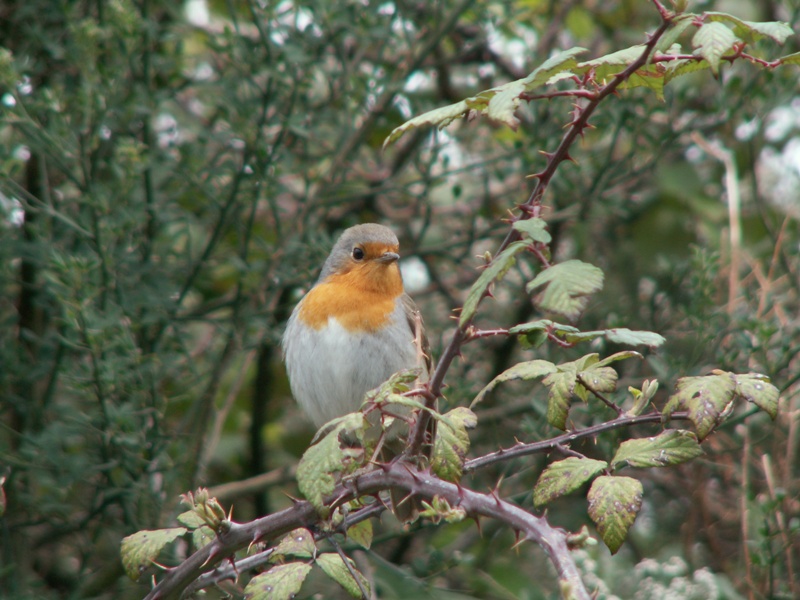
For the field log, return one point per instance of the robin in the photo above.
(355, 328)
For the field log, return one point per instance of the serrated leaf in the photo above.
(618, 335)
(140, 549)
(752, 31)
(712, 41)
(499, 103)
(614, 503)
(281, 582)
(598, 379)
(567, 287)
(708, 400)
(451, 443)
(757, 389)
(361, 533)
(493, 272)
(315, 472)
(525, 371)
(534, 229)
(334, 567)
(671, 447)
(299, 542)
(564, 477)
(562, 385)
(441, 117)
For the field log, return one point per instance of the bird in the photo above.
(355, 328)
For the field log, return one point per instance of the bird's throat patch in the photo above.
(355, 310)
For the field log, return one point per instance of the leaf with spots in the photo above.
(140, 549)
(334, 567)
(565, 288)
(299, 542)
(707, 399)
(451, 443)
(494, 271)
(671, 447)
(522, 371)
(281, 582)
(757, 389)
(564, 477)
(329, 456)
(614, 503)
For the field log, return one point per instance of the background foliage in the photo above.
(170, 183)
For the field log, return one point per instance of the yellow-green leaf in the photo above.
(334, 567)
(757, 389)
(281, 582)
(140, 549)
(564, 477)
(708, 400)
(614, 503)
(299, 542)
(671, 447)
(315, 472)
(451, 443)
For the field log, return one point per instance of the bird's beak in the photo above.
(388, 257)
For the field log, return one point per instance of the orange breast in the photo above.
(362, 299)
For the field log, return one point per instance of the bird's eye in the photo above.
(358, 253)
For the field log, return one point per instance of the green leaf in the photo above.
(534, 229)
(564, 477)
(191, 519)
(525, 371)
(315, 472)
(361, 533)
(614, 503)
(140, 549)
(494, 271)
(567, 287)
(671, 447)
(451, 443)
(334, 567)
(499, 103)
(679, 25)
(561, 385)
(299, 542)
(441, 117)
(757, 389)
(202, 536)
(752, 31)
(281, 582)
(712, 41)
(618, 335)
(708, 400)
